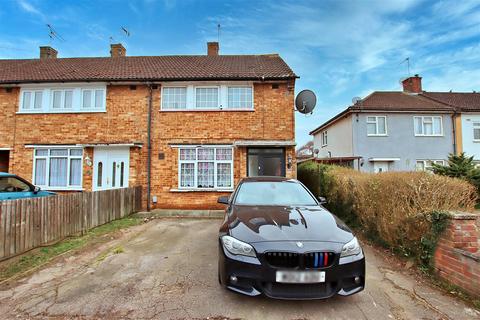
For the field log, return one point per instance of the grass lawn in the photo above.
(40, 256)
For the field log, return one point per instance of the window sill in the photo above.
(201, 190)
(432, 135)
(62, 188)
(208, 110)
(377, 135)
(63, 111)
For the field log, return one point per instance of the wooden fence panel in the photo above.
(33, 222)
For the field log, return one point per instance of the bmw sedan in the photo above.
(278, 240)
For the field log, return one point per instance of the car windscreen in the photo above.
(11, 184)
(266, 193)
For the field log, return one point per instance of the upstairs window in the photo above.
(206, 98)
(32, 100)
(202, 96)
(476, 131)
(324, 138)
(206, 168)
(376, 125)
(428, 126)
(61, 99)
(240, 97)
(174, 98)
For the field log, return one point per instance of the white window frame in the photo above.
(77, 97)
(223, 86)
(375, 122)
(324, 138)
(475, 126)
(215, 162)
(423, 126)
(173, 87)
(241, 87)
(219, 104)
(47, 168)
(424, 162)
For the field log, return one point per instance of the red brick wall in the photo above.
(457, 257)
(126, 121)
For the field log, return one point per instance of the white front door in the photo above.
(380, 166)
(110, 168)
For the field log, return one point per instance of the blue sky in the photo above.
(340, 49)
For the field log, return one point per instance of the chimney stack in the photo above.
(213, 48)
(47, 52)
(412, 84)
(117, 50)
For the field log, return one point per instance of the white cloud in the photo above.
(28, 7)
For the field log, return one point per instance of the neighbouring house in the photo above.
(186, 128)
(396, 130)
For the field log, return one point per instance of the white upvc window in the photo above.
(205, 167)
(240, 97)
(376, 125)
(174, 98)
(58, 168)
(31, 100)
(426, 165)
(324, 138)
(207, 96)
(476, 131)
(63, 98)
(429, 126)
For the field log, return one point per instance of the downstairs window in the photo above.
(58, 168)
(205, 167)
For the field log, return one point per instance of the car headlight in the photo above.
(237, 247)
(351, 248)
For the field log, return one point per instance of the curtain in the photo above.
(40, 171)
(75, 172)
(58, 172)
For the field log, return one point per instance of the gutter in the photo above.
(149, 146)
(454, 131)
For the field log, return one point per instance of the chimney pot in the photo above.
(47, 52)
(117, 50)
(412, 84)
(212, 48)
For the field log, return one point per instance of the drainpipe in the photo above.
(149, 146)
(454, 129)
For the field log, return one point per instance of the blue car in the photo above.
(13, 187)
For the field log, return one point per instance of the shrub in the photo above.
(460, 166)
(402, 210)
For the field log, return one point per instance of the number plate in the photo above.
(300, 276)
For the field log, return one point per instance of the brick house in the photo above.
(186, 128)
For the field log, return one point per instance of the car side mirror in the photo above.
(36, 189)
(322, 200)
(223, 200)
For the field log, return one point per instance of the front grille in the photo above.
(283, 259)
(309, 260)
(313, 260)
(299, 291)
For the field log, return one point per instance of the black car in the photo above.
(278, 240)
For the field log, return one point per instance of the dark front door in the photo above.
(266, 162)
(4, 157)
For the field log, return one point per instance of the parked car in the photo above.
(13, 187)
(278, 239)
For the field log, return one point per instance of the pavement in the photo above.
(167, 269)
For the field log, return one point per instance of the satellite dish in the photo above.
(355, 100)
(305, 101)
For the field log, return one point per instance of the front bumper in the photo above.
(255, 279)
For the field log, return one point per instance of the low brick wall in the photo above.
(457, 257)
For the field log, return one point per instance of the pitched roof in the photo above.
(399, 101)
(464, 101)
(146, 68)
(391, 101)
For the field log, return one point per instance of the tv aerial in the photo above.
(305, 101)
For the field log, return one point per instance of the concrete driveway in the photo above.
(167, 270)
